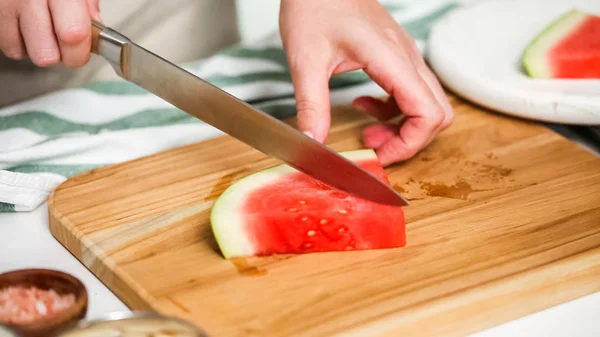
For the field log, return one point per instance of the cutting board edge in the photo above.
(582, 286)
(67, 237)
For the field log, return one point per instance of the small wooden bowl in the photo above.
(46, 279)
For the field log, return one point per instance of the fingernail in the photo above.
(309, 134)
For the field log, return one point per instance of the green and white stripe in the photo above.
(47, 139)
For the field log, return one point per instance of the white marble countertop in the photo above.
(26, 242)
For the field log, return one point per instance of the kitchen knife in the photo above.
(223, 111)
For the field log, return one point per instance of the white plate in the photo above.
(476, 52)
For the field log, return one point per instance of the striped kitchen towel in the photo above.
(45, 140)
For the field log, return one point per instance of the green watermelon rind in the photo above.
(535, 60)
(227, 218)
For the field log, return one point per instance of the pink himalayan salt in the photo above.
(20, 305)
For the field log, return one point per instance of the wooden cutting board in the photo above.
(504, 221)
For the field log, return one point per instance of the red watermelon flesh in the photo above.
(569, 48)
(283, 211)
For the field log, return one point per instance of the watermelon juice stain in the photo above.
(245, 269)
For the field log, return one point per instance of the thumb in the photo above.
(311, 86)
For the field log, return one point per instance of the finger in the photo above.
(11, 42)
(429, 78)
(405, 144)
(376, 135)
(397, 76)
(382, 110)
(439, 94)
(310, 77)
(38, 33)
(72, 25)
(396, 149)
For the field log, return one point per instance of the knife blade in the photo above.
(235, 117)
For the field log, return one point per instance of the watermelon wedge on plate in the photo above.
(283, 211)
(569, 47)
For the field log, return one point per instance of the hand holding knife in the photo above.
(236, 118)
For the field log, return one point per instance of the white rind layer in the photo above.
(535, 58)
(227, 215)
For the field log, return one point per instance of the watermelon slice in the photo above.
(567, 48)
(283, 211)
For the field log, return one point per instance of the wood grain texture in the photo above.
(504, 221)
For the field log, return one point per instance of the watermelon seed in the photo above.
(311, 233)
(304, 218)
(323, 221)
(292, 209)
(342, 230)
(342, 211)
(306, 245)
(302, 202)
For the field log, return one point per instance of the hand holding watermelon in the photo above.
(323, 38)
